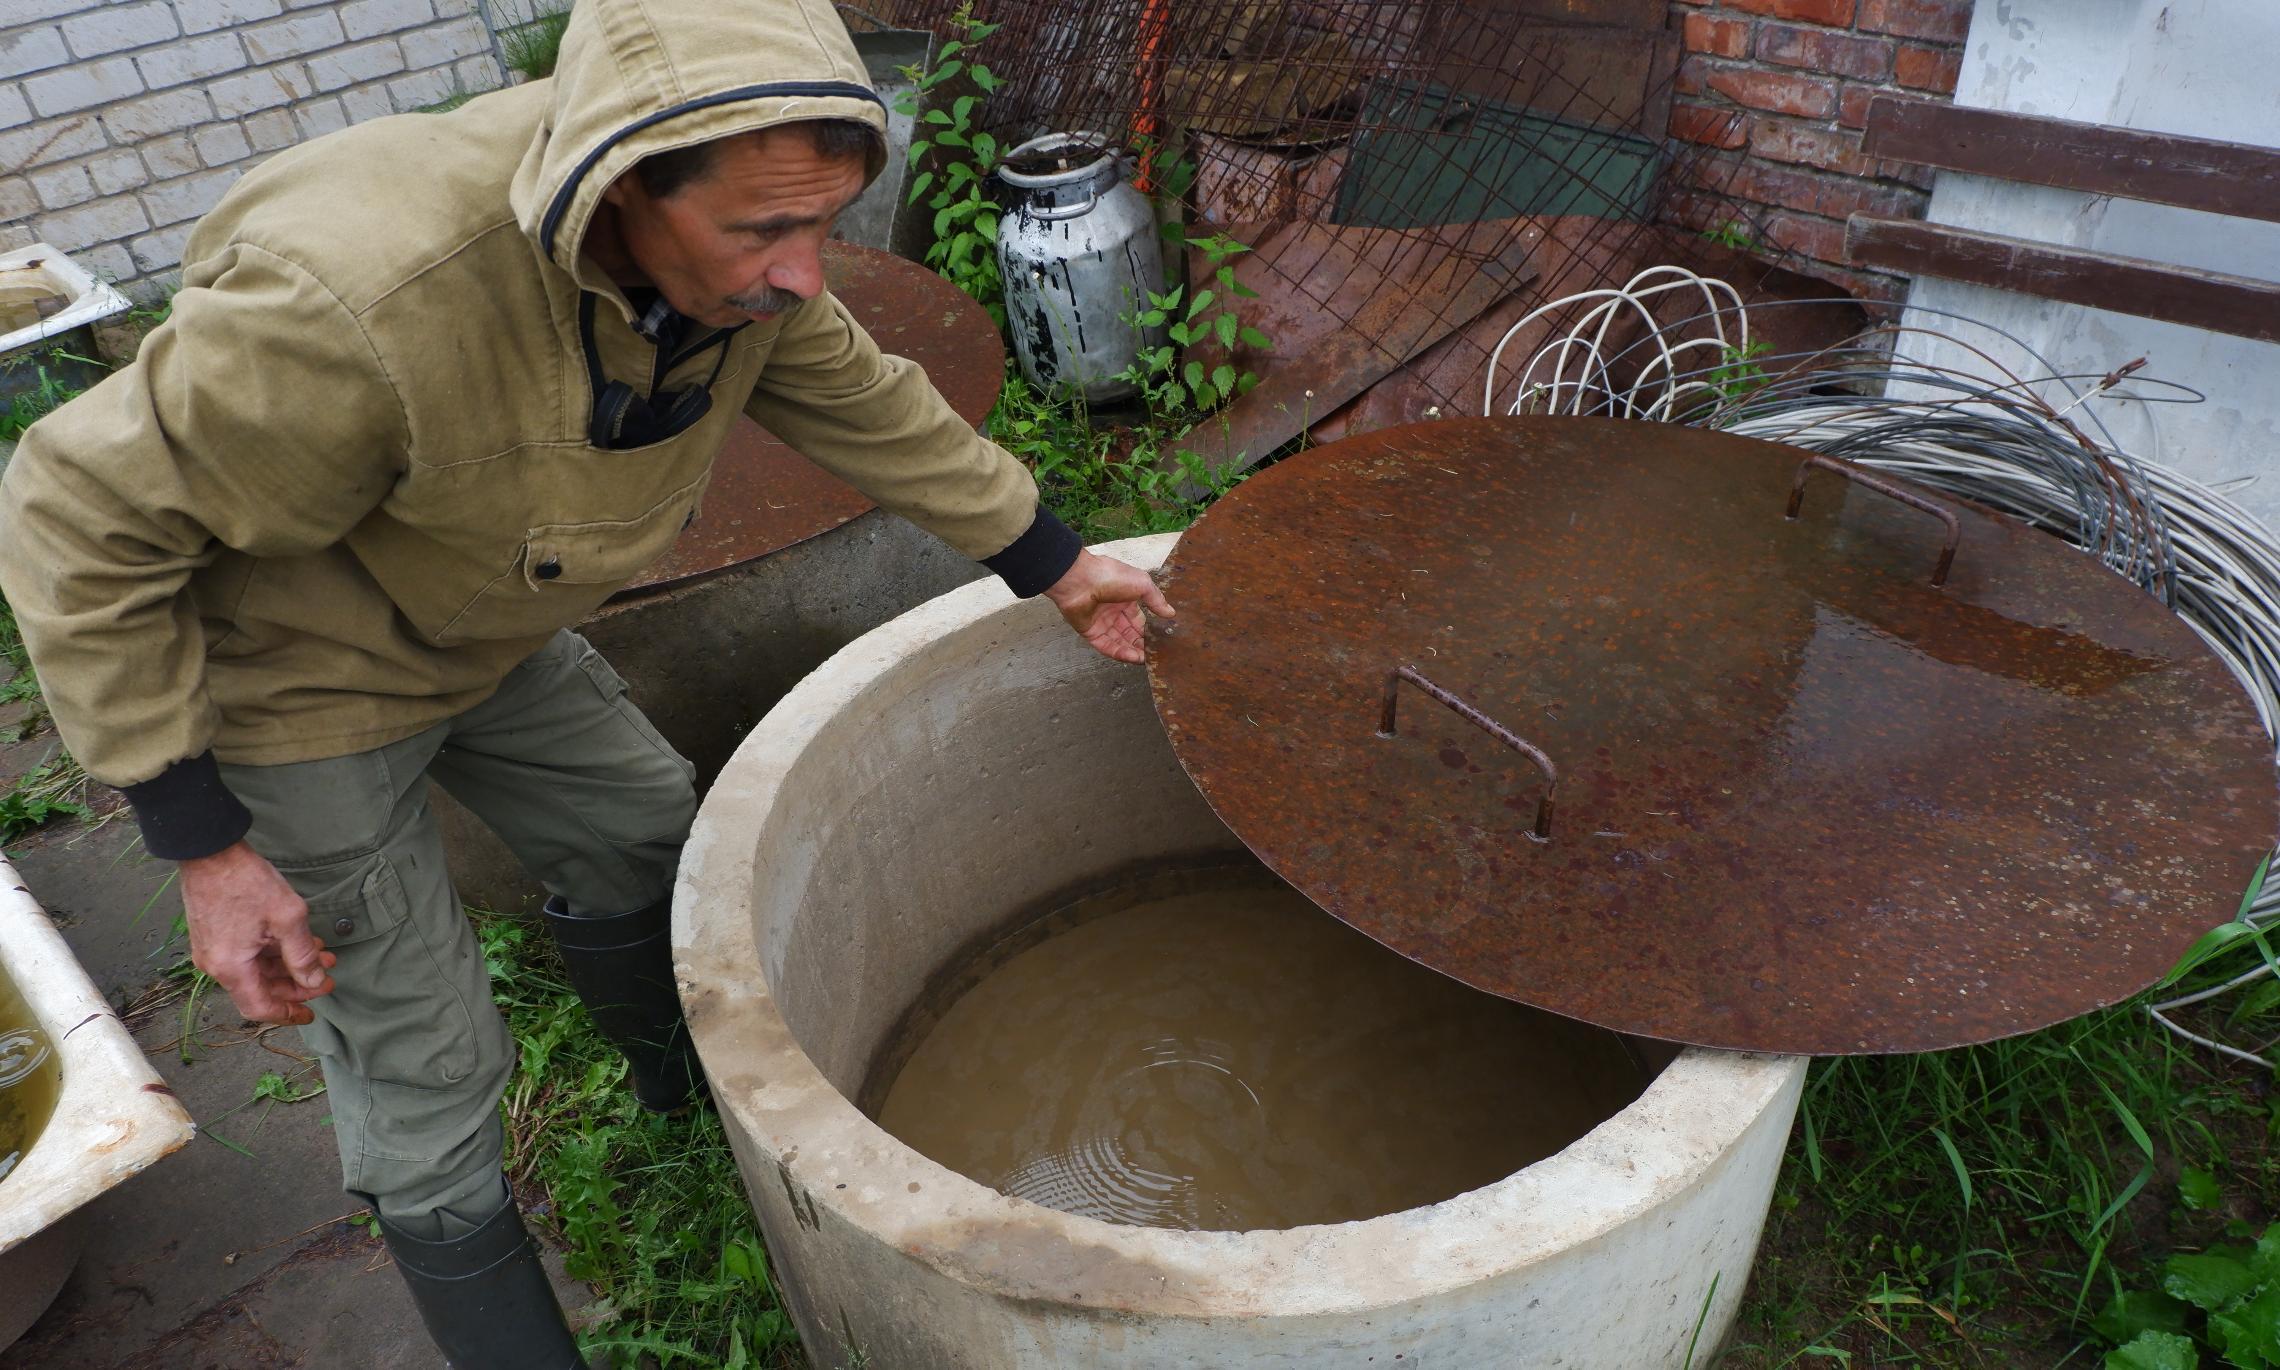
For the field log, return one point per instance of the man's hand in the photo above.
(1101, 598)
(251, 933)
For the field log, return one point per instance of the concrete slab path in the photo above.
(237, 1252)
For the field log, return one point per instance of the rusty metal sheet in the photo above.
(1609, 77)
(1576, 254)
(764, 496)
(1383, 320)
(1794, 795)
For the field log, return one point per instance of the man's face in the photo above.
(744, 241)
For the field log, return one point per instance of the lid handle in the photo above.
(1884, 487)
(1543, 829)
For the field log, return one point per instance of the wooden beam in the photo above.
(2239, 179)
(2222, 303)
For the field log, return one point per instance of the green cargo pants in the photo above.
(562, 766)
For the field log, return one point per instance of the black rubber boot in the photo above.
(622, 966)
(485, 1299)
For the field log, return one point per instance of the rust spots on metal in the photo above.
(763, 496)
(1387, 727)
(1889, 490)
(1394, 317)
(1809, 802)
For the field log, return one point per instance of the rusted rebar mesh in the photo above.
(1362, 144)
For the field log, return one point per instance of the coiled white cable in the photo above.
(1590, 389)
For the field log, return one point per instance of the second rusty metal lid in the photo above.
(1691, 736)
(763, 496)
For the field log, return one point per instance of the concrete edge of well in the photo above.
(1676, 1137)
(114, 1117)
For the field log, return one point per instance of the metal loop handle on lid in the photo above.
(1543, 829)
(1887, 488)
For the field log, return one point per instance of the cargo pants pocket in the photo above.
(399, 1003)
(613, 690)
(415, 1052)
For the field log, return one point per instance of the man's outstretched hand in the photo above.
(250, 931)
(1102, 597)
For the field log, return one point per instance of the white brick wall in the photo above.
(122, 121)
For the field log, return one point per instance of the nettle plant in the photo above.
(965, 217)
(2219, 1307)
(1208, 315)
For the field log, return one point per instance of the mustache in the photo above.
(765, 300)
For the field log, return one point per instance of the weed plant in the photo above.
(532, 49)
(1104, 479)
(1733, 234)
(54, 789)
(57, 787)
(1173, 388)
(1738, 375)
(2223, 1302)
(650, 1210)
(2094, 1194)
(964, 251)
(44, 398)
(1986, 1207)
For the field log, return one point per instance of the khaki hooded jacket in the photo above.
(352, 481)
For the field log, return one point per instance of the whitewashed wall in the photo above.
(2207, 68)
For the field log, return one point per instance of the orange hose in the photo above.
(1154, 20)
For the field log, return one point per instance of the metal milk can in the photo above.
(1078, 254)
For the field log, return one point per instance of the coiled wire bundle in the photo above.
(2022, 439)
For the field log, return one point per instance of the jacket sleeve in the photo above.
(259, 418)
(877, 423)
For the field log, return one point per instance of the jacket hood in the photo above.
(638, 77)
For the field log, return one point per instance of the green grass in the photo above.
(52, 790)
(1983, 1206)
(535, 47)
(1979, 1207)
(57, 787)
(28, 408)
(1081, 475)
(460, 95)
(1104, 480)
(1972, 1208)
(16, 680)
(650, 1210)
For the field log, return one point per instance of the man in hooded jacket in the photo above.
(433, 388)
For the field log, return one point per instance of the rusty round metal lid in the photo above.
(764, 496)
(1807, 800)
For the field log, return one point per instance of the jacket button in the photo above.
(342, 927)
(549, 568)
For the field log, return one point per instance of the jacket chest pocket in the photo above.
(563, 571)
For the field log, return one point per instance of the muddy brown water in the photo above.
(16, 313)
(1211, 1051)
(29, 1077)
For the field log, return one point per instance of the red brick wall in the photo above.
(1773, 94)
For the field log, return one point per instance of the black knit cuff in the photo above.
(1038, 557)
(186, 811)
